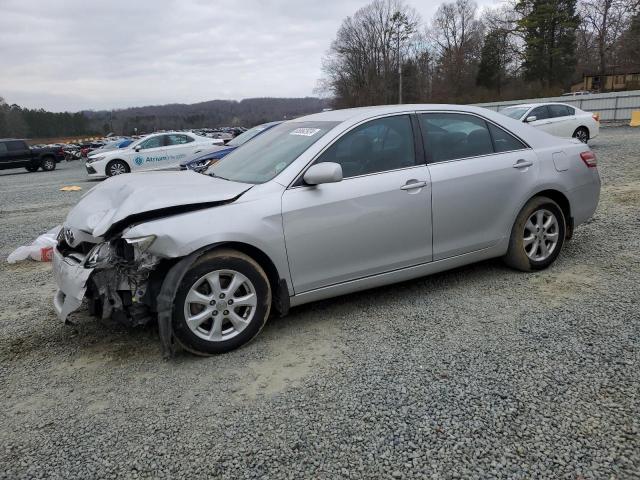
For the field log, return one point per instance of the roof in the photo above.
(529, 105)
(368, 112)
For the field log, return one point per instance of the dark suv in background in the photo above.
(15, 153)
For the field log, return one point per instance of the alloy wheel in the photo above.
(220, 305)
(582, 135)
(117, 169)
(541, 235)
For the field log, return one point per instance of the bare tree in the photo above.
(457, 34)
(362, 65)
(603, 21)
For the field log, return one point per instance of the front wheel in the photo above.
(222, 302)
(116, 167)
(48, 164)
(581, 134)
(537, 235)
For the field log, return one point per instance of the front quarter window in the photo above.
(270, 153)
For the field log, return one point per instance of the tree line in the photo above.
(385, 53)
(17, 122)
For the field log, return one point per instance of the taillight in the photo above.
(596, 117)
(589, 159)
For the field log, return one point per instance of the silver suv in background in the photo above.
(316, 207)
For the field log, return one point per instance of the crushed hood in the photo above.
(135, 194)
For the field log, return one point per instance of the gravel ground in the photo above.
(481, 372)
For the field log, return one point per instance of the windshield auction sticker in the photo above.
(305, 132)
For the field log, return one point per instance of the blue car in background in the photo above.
(215, 153)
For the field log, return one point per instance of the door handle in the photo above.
(411, 185)
(522, 164)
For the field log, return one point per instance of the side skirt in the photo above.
(396, 276)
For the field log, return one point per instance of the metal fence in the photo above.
(611, 106)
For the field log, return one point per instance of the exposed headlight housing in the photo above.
(141, 243)
(130, 249)
(99, 255)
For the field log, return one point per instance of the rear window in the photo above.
(558, 111)
(453, 136)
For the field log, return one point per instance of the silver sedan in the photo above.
(317, 207)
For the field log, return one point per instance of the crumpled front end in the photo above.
(113, 276)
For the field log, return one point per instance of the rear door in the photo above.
(479, 174)
(543, 119)
(562, 122)
(179, 147)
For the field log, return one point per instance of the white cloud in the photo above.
(79, 54)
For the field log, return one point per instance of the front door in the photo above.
(151, 154)
(480, 174)
(543, 120)
(377, 219)
(562, 120)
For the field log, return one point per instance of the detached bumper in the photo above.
(71, 277)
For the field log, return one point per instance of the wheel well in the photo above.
(279, 289)
(582, 126)
(563, 203)
(259, 256)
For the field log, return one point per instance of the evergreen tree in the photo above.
(549, 28)
(493, 60)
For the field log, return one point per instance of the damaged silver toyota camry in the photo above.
(317, 207)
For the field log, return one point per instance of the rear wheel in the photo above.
(116, 167)
(581, 134)
(48, 164)
(222, 303)
(537, 235)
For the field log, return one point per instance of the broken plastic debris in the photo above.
(41, 250)
(71, 188)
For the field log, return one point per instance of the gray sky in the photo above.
(101, 54)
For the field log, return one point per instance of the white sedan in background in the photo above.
(159, 151)
(558, 119)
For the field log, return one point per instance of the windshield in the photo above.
(270, 153)
(246, 136)
(514, 112)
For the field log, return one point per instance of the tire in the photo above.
(217, 278)
(48, 164)
(116, 167)
(582, 134)
(524, 238)
(31, 169)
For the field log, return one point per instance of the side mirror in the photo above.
(531, 118)
(138, 148)
(324, 172)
